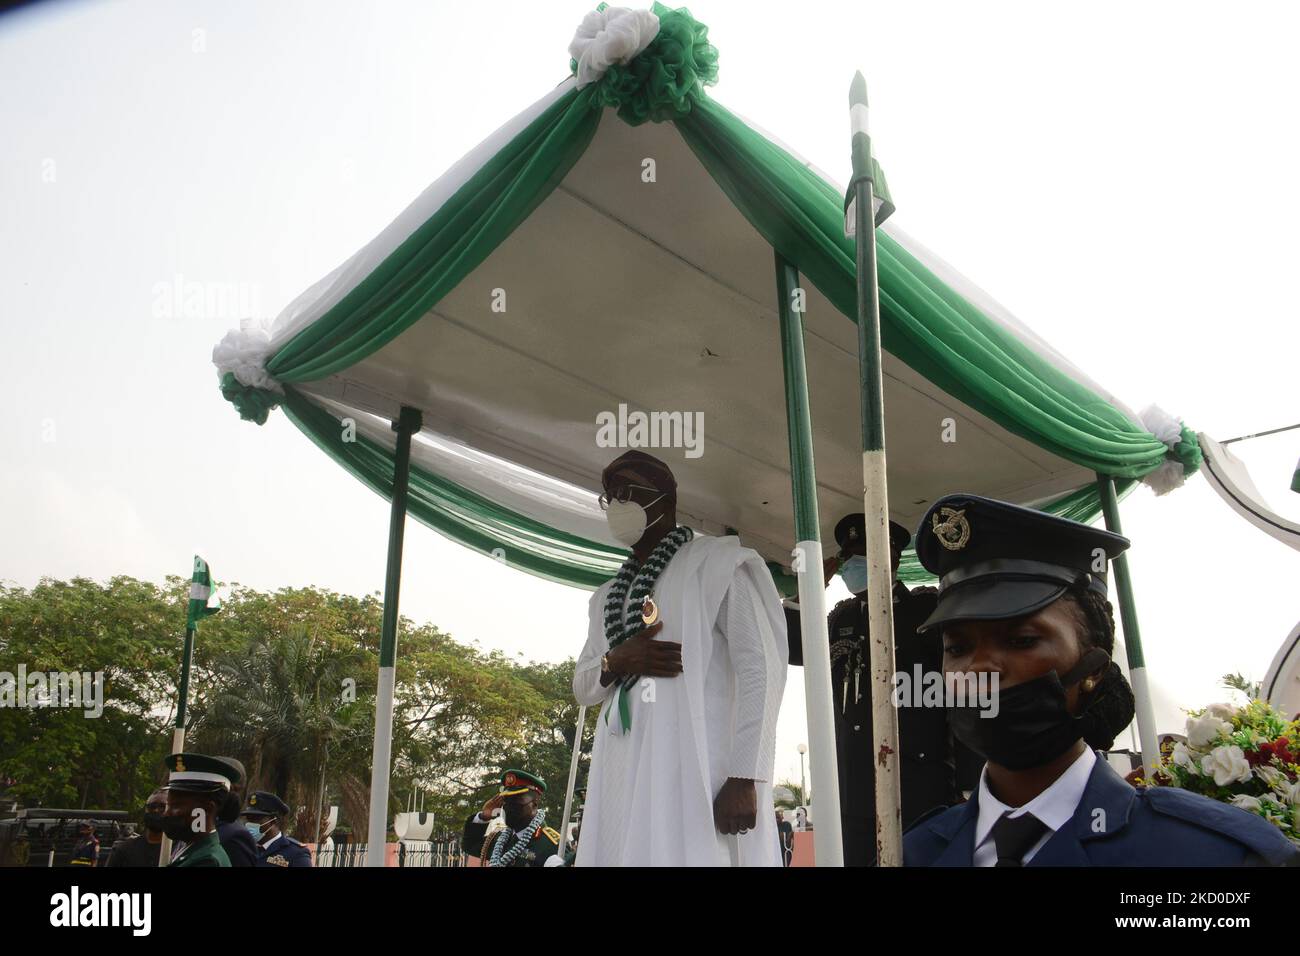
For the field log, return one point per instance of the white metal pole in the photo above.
(573, 778)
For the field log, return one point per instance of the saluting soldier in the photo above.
(197, 786)
(927, 757)
(1022, 597)
(525, 840)
(264, 818)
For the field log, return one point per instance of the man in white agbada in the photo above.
(681, 769)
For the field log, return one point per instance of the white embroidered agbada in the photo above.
(650, 792)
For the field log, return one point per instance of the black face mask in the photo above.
(177, 828)
(154, 822)
(1033, 725)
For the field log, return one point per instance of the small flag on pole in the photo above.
(203, 600)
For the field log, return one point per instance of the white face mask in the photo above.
(627, 520)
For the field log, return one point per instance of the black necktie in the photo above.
(1013, 836)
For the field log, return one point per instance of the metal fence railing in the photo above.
(412, 854)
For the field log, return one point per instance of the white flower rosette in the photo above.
(1246, 802)
(1203, 730)
(1223, 711)
(243, 353)
(1227, 765)
(1169, 429)
(1185, 758)
(609, 36)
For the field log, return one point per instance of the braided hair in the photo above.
(1109, 708)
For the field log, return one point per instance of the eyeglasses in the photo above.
(622, 495)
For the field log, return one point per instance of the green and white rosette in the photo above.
(1182, 459)
(647, 64)
(240, 359)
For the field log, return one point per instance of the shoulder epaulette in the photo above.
(552, 835)
(1253, 832)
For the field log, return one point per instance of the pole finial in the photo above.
(858, 90)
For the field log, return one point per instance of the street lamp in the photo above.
(803, 784)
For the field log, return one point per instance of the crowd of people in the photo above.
(202, 813)
(686, 658)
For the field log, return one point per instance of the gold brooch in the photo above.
(649, 611)
(954, 531)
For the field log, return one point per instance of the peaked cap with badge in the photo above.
(997, 560)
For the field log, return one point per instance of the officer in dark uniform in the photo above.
(1022, 597)
(86, 852)
(234, 837)
(197, 786)
(926, 757)
(263, 818)
(519, 798)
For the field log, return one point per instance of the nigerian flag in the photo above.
(202, 599)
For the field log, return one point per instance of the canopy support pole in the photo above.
(1137, 669)
(875, 497)
(178, 733)
(573, 778)
(807, 565)
(408, 423)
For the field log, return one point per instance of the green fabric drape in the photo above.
(923, 322)
(477, 523)
(446, 248)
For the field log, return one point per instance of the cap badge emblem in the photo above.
(953, 531)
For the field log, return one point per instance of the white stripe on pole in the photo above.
(880, 611)
(165, 848)
(858, 118)
(828, 841)
(380, 766)
(573, 779)
(1146, 720)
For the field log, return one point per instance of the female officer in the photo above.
(1022, 599)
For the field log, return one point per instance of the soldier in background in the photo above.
(524, 841)
(86, 851)
(234, 837)
(197, 787)
(143, 848)
(263, 819)
(927, 754)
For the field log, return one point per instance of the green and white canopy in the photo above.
(612, 247)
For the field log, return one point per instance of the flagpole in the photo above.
(178, 730)
(408, 423)
(875, 497)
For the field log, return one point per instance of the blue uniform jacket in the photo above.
(1118, 825)
(283, 851)
(238, 844)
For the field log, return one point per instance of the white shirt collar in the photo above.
(1054, 807)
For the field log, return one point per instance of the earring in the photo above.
(1087, 684)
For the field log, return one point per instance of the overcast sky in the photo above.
(1122, 178)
